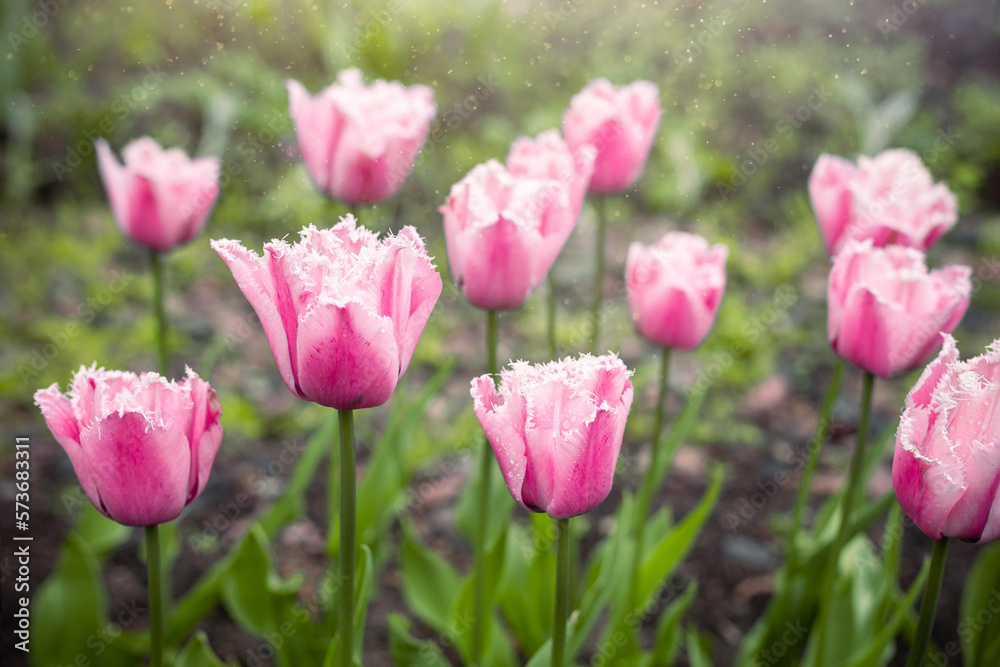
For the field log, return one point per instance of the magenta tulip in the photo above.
(359, 141)
(946, 469)
(890, 199)
(886, 311)
(159, 198)
(675, 288)
(141, 447)
(620, 124)
(556, 429)
(503, 233)
(341, 310)
(549, 157)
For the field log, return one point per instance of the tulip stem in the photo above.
(809, 471)
(161, 317)
(595, 307)
(551, 314)
(562, 592)
(155, 598)
(649, 481)
(928, 606)
(345, 575)
(479, 587)
(847, 502)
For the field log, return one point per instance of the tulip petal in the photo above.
(503, 420)
(140, 472)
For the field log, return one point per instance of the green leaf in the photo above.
(698, 649)
(199, 653)
(430, 584)
(100, 533)
(979, 629)
(364, 586)
(668, 632)
(68, 617)
(670, 551)
(526, 593)
(408, 651)
(500, 502)
(463, 612)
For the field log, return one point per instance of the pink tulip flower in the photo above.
(556, 429)
(503, 233)
(160, 198)
(620, 124)
(341, 310)
(360, 142)
(141, 447)
(886, 311)
(548, 157)
(675, 288)
(890, 199)
(946, 469)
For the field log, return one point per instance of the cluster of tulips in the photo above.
(343, 311)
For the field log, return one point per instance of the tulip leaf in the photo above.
(430, 584)
(199, 653)
(668, 631)
(500, 502)
(979, 629)
(670, 551)
(68, 616)
(101, 534)
(699, 649)
(363, 586)
(526, 593)
(463, 613)
(408, 651)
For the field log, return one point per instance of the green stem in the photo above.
(345, 575)
(551, 315)
(847, 502)
(928, 606)
(809, 471)
(155, 599)
(479, 585)
(595, 306)
(161, 317)
(562, 592)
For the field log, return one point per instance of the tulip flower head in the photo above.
(360, 142)
(889, 199)
(342, 310)
(556, 429)
(886, 311)
(142, 447)
(946, 468)
(503, 233)
(160, 198)
(675, 288)
(620, 123)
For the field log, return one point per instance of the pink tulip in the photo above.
(141, 447)
(556, 429)
(890, 199)
(886, 312)
(620, 124)
(946, 469)
(549, 157)
(359, 141)
(342, 310)
(503, 234)
(675, 288)
(160, 198)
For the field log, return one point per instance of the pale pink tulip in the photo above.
(159, 198)
(675, 288)
(141, 447)
(360, 142)
(503, 234)
(890, 199)
(341, 310)
(620, 124)
(946, 469)
(886, 312)
(549, 157)
(556, 429)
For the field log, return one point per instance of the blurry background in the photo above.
(752, 93)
